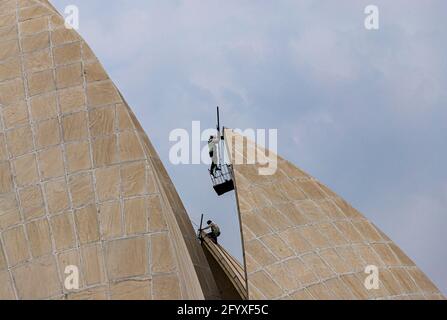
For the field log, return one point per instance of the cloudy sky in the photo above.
(363, 111)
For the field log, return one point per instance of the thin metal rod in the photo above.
(200, 229)
(218, 120)
(221, 145)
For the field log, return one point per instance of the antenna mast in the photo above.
(218, 120)
(221, 146)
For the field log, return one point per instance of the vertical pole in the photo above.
(200, 230)
(218, 120)
(220, 160)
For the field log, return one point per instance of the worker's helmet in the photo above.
(209, 222)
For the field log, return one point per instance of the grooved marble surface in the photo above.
(227, 270)
(302, 241)
(80, 183)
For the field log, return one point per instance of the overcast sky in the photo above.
(363, 111)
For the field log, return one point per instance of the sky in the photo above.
(363, 111)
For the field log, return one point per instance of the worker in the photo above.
(215, 231)
(212, 146)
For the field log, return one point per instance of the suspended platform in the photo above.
(223, 179)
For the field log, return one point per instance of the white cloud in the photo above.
(326, 55)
